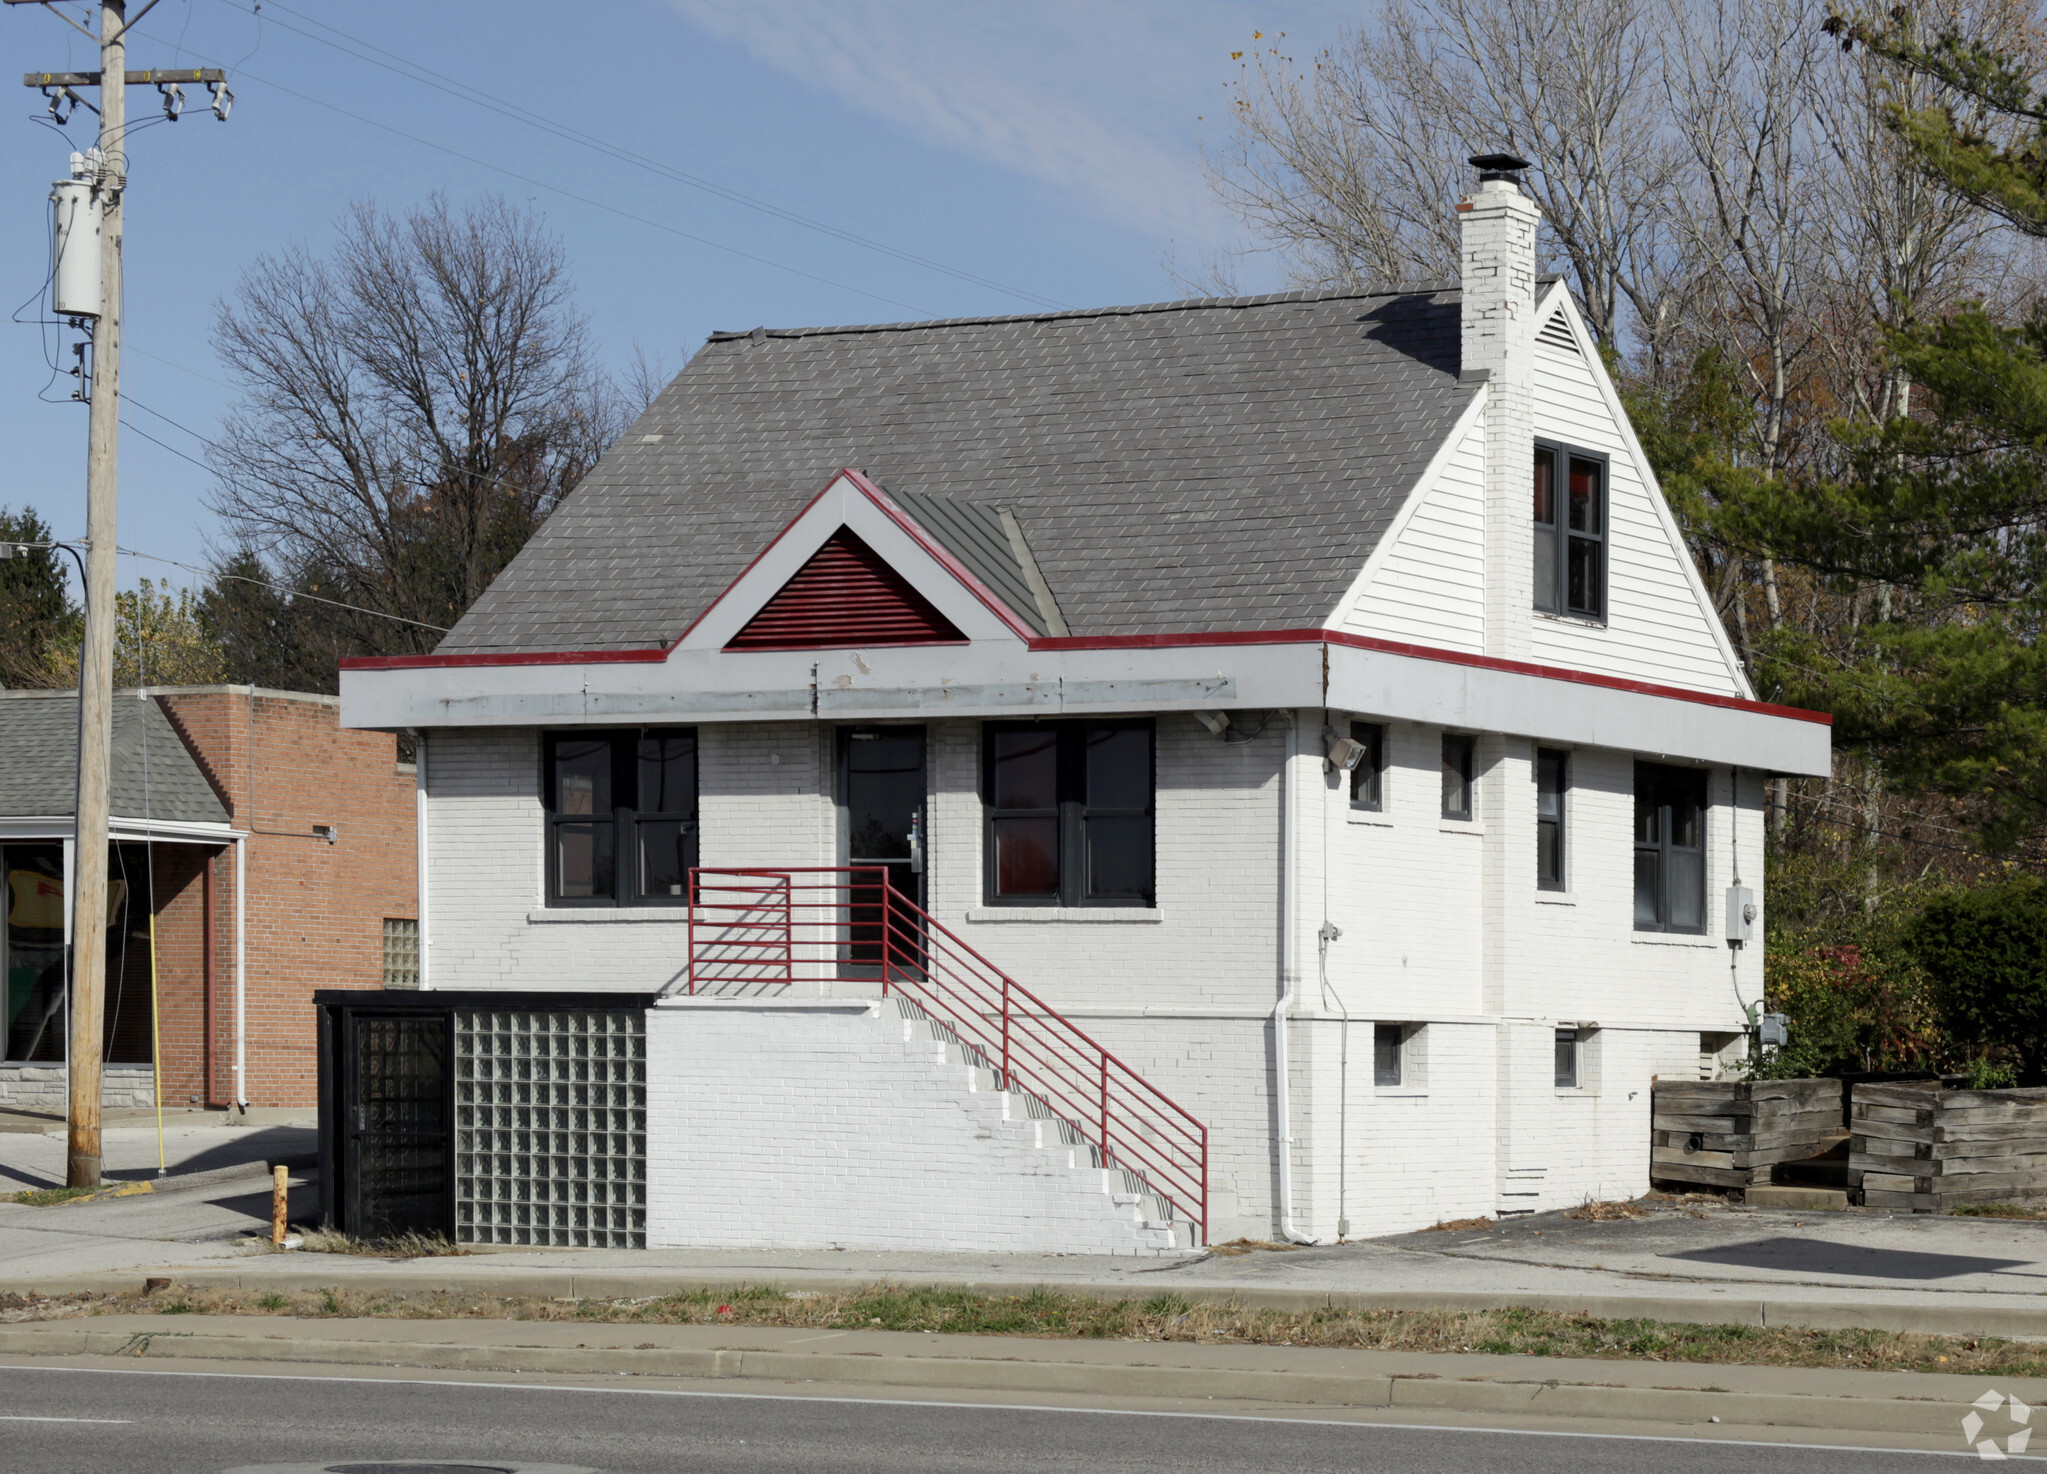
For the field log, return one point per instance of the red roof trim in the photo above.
(1180, 642)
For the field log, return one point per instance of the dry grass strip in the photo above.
(1165, 1317)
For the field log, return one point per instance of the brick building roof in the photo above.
(1180, 468)
(152, 775)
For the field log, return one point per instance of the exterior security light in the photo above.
(1345, 753)
(327, 832)
(1217, 722)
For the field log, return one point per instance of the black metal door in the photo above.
(882, 779)
(396, 1159)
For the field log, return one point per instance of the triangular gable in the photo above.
(1425, 581)
(907, 581)
(845, 596)
(1662, 627)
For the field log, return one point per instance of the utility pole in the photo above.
(96, 664)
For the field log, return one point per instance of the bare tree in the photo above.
(413, 407)
(1347, 168)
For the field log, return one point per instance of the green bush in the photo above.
(1850, 1010)
(1985, 950)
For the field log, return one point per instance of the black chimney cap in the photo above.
(1498, 166)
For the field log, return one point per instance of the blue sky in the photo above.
(1051, 147)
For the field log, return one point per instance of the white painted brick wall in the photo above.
(799, 1128)
(1184, 994)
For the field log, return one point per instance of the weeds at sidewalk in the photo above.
(398, 1246)
(47, 1197)
(1172, 1316)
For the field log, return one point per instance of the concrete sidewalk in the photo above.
(1888, 1407)
(1698, 1262)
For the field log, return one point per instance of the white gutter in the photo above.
(241, 973)
(419, 852)
(1289, 978)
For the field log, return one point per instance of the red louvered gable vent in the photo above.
(845, 595)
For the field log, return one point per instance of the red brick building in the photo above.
(209, 783)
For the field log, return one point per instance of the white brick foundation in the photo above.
(844, 1124)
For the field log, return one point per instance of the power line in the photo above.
(581, 199)
(413, 71)
(1931, 844)
(215, 573)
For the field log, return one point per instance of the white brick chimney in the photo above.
(1498, 226)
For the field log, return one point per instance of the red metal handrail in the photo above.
(757, 930)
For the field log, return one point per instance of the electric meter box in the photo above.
(1741, 915)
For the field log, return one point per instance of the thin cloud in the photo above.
(1097, 101)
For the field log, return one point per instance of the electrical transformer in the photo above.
(75, 225)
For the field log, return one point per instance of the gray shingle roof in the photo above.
(39, 737)
(1187, 467)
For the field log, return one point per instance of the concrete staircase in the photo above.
(1024, 1119)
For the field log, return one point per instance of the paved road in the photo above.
(207, 1423)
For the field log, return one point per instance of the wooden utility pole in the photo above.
(96, 662)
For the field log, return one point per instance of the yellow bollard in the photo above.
(280, 1203)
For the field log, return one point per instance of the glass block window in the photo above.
(551, 1129)
(401, 952)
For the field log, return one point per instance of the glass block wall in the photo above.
(551, 1128)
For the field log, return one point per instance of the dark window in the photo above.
(1552, 777)
(1368, 778)
(1386, 1040)
(1567, 1059)
(1069, 808)
(1457, 752)
(621, 817)
(1670, 848)
(1570, 533)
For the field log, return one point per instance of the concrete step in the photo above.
(1152, 1222)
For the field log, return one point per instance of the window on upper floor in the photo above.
(1552, 777)
(1458, 753)
(621, 817)
(1570, 532)
(1069, 813)
(1670, 848)
(1368, 778)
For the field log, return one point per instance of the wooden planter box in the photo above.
(1921, 1148)
(1730, 1133)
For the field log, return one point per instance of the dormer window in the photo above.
(1570, 532)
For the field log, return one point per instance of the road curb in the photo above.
(1024, 1366)
(315, 1272)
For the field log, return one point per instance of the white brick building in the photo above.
(1074, 665)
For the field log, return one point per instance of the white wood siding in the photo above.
(1658, 629)
(1428, 585)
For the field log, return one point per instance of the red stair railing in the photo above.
(752, 931)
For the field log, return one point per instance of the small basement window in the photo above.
(1568, 1062)
(1387, 1054)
